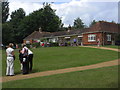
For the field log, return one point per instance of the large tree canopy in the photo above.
(20, 26)
(50, 21)
(17, 15)
(10, 28)
(44, 18)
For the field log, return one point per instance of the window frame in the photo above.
(91, 37)
(109, 37)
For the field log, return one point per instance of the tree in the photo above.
(92, 23)
(7, 35)
(17, 14)
(22, 26)
(50, 21)
(44, 18)
(78, 24)
(5, 11)
(16, 18)
(5, 25)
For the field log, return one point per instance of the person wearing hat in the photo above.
(10, 60)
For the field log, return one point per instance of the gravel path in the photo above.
(113, 49)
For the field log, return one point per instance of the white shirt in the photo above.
(9, 52)
(23, 50)
(29, 52)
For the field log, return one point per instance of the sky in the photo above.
(69, 10)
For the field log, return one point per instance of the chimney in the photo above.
(69, 28)
(40, 29)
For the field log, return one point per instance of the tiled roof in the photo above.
(103, 26)
(37, 35)
(69, 32)
(100, 26)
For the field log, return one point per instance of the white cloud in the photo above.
(28, 7)
(68, 11)
(87, 11)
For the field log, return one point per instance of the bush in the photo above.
(36, 45)
(54, 44)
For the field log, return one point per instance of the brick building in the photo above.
(102, 32)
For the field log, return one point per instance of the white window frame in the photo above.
(91, 37)
(108, 37)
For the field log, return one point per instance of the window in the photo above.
(108, 37)
(91, 37)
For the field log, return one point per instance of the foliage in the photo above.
(54, 44)
(16, 18)
(78, 24)
(17, 15)
(21, 26)
(7, 35)
(36, 45)
(11, 28)
(93, 22)
(44, 18)
(5, 11)
(50, 21)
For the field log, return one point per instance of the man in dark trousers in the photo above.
(25, 59)
(21, 59)
(30, 59)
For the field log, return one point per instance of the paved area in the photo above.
(66, 70)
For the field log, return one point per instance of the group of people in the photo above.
(25, 57)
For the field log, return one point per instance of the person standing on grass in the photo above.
(25, 59)
(10, 60)
(21, 59)
(30, 59)
(98, 42)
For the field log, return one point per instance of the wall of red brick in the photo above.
(86, 42)
(101, 36)
(112, 38)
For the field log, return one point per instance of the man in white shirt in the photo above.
(10, 60)
(25, 59)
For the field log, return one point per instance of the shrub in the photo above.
(54, 44)
(36, 45)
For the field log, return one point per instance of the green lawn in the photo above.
(112, 46)
(52, 58)
(96, 78)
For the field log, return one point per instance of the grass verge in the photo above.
(106, 77)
